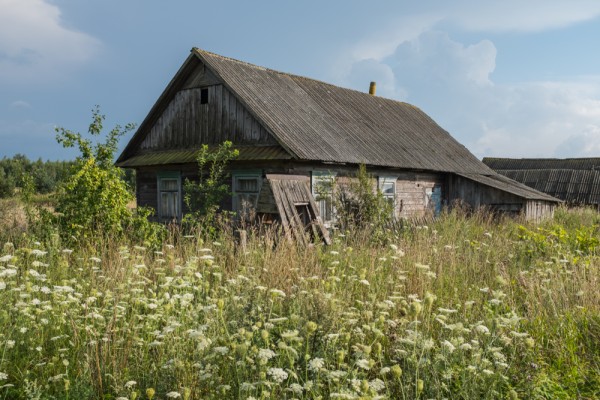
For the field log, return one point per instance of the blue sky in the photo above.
(505, 78)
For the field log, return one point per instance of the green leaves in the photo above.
(204, 196)
(94, 200)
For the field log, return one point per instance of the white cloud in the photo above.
(543, 119)
(34, 44)
(522, 16)
(20, 104)
(452, 82)
(473, 15)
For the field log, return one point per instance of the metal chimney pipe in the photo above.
(372, 88)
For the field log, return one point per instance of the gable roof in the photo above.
(574, 180)
(318, 121)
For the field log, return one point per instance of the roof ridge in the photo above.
(296, 76)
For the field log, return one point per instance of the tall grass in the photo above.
(466, 308)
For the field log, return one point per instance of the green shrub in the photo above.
(93, 202)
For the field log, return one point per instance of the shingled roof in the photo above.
(318, 121)
(574, 180)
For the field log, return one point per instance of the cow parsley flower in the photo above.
(364, 364)
(278, 374)
(266, 354)
(130, 384)
(316, 364)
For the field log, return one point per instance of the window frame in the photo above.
(235, 199)
(386, 179)
(315, 177)
(168, 175)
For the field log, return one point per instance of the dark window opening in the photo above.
(204, 96)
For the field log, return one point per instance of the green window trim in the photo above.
(245, 189)
(321, 187)
(168, 184)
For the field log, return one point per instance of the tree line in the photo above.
(45, 175)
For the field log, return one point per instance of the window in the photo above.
(322, 190)
(169, 195)
(246, 187)
(203, 96)
(387, 187)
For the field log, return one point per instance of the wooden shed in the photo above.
(318, 133)
(576, 181)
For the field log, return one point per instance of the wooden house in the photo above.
(297, 136)
(576, 181)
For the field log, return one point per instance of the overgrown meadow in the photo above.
(466, 307)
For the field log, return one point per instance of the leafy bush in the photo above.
(93, 202)
(359, 206)
(203, 198)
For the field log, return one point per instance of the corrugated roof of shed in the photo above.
(508, 185)
(589, 163)
(573, 186)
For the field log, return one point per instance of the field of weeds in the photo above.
(465, 308)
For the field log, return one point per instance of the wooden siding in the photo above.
(477, 195)
(411, 193)
(201, 77)
(147, 185)
(538, 210)
(411, 190)
(186, 123)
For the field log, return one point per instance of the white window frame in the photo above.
(160, 178)
(237, 194)
(324, 201)
(384, 180)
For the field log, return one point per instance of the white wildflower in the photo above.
(277, 292)
(266, 354)
(3, 376)
(364, 364)
(173, 395)
(466, 346)
(296, 388)
(6, 258)
(482, 329)
(222, 350)
(377, 385)
(447, 310)
(130, 384)
(519, 334)
(448, 346)
(316, 364)
(278, 374)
